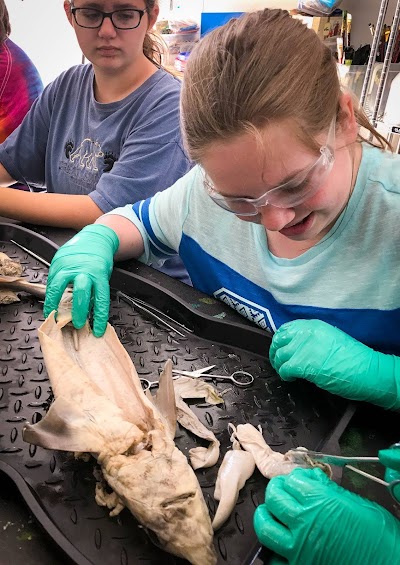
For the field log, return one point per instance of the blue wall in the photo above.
(211, 20)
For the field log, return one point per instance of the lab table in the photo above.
(23, 540)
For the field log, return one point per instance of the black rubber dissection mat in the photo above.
(60, 490)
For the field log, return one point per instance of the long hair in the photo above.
(5, 27)
(154, 47)
(257, 69)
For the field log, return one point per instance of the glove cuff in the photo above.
(390, 457)
(104, 232)
(384, 376)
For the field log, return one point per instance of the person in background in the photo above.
(20, 83)
(103, 134)
(291, 216)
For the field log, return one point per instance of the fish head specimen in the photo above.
(162, 491)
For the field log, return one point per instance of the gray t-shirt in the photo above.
(116, 153)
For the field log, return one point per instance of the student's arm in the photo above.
(23, 158)
(130, 240)
(58, 210)
(86, 261)
(5, 178)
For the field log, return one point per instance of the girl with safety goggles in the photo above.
(291, 217)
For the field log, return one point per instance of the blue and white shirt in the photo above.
(350, 279)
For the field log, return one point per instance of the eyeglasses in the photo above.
(302, 186)
(90, 18)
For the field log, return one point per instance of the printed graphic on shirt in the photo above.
(109, 160)
(250, 310)
(86, 163)
(87, 155)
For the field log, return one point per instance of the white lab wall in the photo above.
(41, 28)
(363, 13)
(181, 9)
(193, 8)
(246, 5)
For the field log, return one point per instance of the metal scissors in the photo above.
(342, 461)
(240, 378)
(147, 385)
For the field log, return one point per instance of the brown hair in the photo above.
(153, 46)
(5, 27)
(259, 68)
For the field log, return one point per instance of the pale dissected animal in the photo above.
(100, 408)
(12, 284)
(239, 464)
(11, 281)
(271, 463)
(186, 387)
(9, 267)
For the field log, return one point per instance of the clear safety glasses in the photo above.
(288, 195)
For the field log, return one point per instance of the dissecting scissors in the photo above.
(240, 378)
(342, 461)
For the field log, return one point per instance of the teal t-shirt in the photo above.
(350, 279)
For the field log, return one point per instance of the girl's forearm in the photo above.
(5, 178)
(130, 241)
(49, 209)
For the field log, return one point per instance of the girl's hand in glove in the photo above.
(334, 361)
(86, 261)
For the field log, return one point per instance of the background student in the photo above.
(103, 134)
(20, 83)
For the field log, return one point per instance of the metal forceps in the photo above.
(341, 461)
(31, 253)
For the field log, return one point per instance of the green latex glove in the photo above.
(331, 359)
(390, 458)
(87, 262)
(309, 519)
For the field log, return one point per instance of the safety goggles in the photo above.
(301, 187)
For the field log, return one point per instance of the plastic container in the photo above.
(353, 78)
(180, 61)
(391, 116)
(182, 42)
